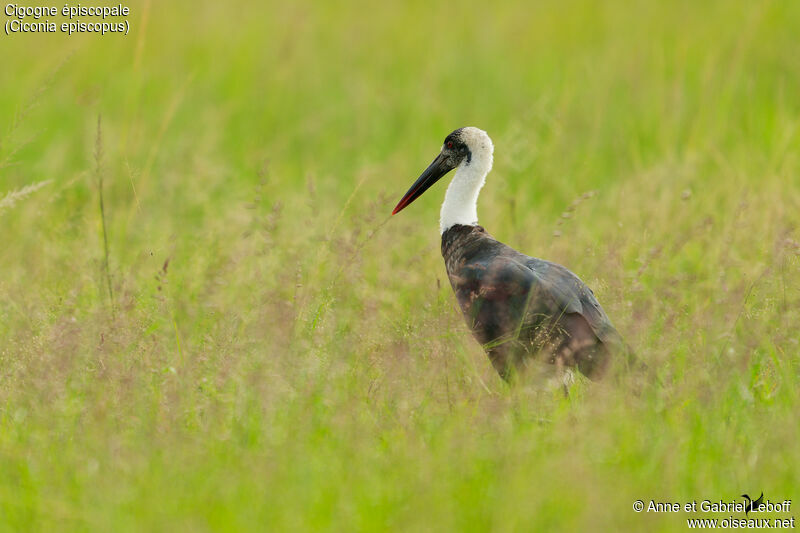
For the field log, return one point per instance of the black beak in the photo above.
(438, 168)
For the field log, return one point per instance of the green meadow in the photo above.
(209, 321)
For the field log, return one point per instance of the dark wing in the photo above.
(569, 294)
(518, 305)
(574, 296)
(493, 295)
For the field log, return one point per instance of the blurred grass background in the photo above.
(276, 353)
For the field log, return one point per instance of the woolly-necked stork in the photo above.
(519, 308)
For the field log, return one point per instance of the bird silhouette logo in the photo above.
(752, 504)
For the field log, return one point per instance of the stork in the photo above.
(520, 308)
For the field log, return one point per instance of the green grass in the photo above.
(276, 353)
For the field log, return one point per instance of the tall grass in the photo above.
(98, 159)
(12, 197)
(284, 355)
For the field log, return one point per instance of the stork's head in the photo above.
(462, 148)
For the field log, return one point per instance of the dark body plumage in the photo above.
(522, 308)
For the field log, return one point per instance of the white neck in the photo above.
(461, 200)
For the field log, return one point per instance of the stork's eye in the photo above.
(450, 144)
